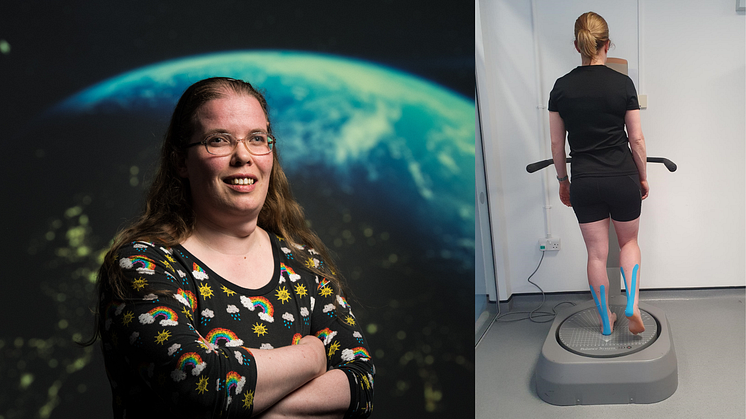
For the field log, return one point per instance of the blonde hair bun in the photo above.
(591, 34)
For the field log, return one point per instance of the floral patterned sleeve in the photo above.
(158, 363)
(347, 349)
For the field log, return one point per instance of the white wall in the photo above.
(689, 58)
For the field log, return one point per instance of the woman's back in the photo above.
(593, 101)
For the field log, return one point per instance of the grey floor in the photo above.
(709, 332)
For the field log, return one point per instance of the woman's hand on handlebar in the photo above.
(564, 192)
(644, 188)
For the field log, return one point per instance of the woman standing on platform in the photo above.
(591, 106)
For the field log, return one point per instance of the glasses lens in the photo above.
(219, 144)
(259, 143)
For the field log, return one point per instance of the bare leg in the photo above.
(596, 237)
(629, 260)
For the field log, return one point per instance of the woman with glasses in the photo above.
(219, 301)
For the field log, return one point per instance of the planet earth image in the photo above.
(382, 162)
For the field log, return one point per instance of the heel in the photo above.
(602, 310)
(629, 311)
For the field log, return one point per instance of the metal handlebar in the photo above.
(533, 167)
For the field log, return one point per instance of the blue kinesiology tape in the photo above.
(630, 310)
(602, 309)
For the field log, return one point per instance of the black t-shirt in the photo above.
(592, 101)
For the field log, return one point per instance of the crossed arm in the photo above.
(326, 396)
(304, 389)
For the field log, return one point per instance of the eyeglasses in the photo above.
(223, 144)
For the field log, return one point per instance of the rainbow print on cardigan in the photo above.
(324, 282)
(168, 317)
(113, 308)
(235, 381)
(359, 352)
(296, 338)
(264, 304)
(198, 272)
(142, 264)
(289, 272)
(188, 297)
(325, 335)
(266, 309)
(190, 360)
(227, 336)
(164, 312)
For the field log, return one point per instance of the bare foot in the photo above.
(612, 321)
(635, 323)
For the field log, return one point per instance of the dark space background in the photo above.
(52, 228)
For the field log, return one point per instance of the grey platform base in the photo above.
(646, 376)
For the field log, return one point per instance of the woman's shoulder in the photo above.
(299, 255)
(290, 249)
(569, 78)
(143, 247)
(615, 73)
(148, 253)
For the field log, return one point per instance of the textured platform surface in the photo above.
(581, 334)
(709, 330)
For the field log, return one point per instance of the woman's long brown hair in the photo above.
(168, 218)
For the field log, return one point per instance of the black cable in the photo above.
(551, 315)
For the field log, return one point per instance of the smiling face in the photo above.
(232, 186)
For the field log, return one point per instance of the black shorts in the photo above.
(594, 198)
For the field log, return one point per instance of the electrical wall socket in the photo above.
(549, 244)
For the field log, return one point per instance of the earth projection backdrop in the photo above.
(383, 163)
